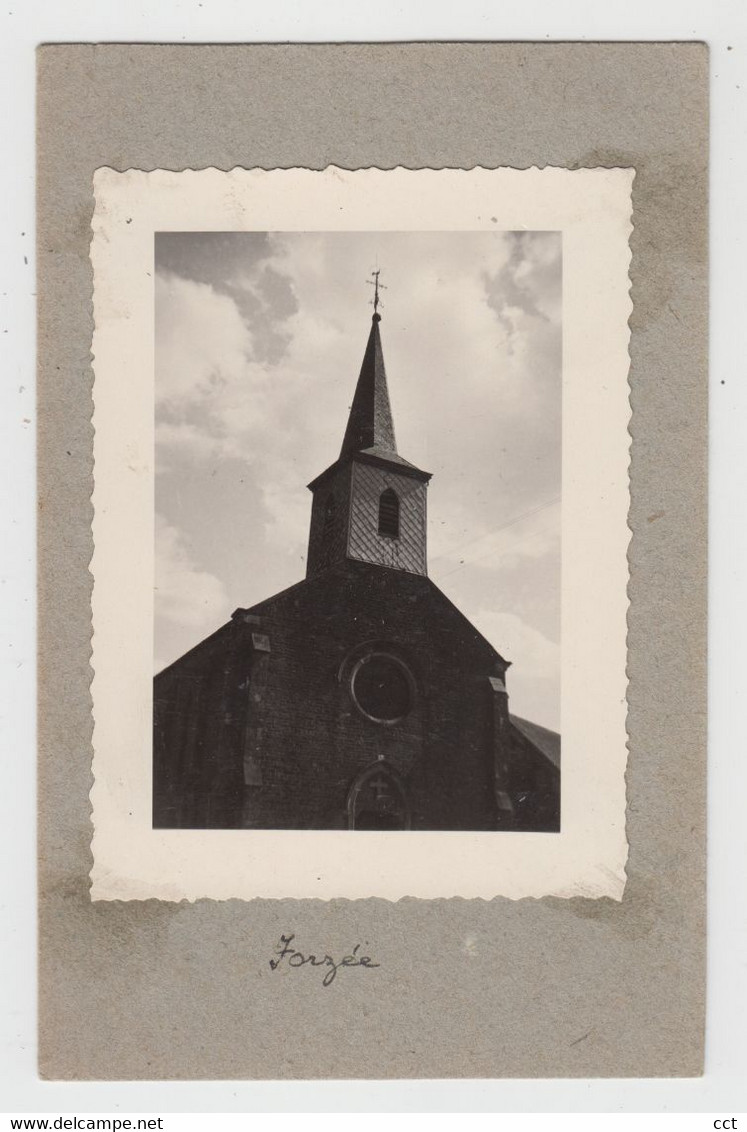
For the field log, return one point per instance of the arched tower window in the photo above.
(389, 513)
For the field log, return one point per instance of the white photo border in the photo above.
(592, 208)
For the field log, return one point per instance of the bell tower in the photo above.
(370, 505)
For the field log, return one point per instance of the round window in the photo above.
(381, 688)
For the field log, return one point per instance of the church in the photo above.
(360, 698)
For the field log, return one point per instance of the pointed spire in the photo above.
(370, 424)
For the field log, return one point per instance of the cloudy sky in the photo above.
(259, 340)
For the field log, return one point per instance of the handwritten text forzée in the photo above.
(284, 950)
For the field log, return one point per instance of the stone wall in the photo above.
(259, 727)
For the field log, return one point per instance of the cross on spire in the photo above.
(377, 286)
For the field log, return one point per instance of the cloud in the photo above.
(528, 650)
(202, 342)
(533, 680)
(529, 282)
(235, 265)
(175, 442)
(533, 534)
(184, 594)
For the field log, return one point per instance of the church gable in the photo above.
(361, 671)
(361, 595)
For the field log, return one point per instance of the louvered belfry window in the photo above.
(389, 513)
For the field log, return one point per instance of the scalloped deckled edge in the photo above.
(100, 881)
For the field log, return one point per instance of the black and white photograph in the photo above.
(357, 530)
(360, 499)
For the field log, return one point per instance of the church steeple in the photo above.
(370, 423)
(370, 505)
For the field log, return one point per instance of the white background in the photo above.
(723, 24)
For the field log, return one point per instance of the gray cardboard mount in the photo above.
(553, 988)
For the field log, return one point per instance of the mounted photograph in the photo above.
(360, 533)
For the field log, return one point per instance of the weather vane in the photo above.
(374, 282)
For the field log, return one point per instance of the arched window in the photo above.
(389, 514)
(378, 800)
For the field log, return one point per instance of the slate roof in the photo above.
(546, 741)
(370, 429)
(379, 453)
(370, 424)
